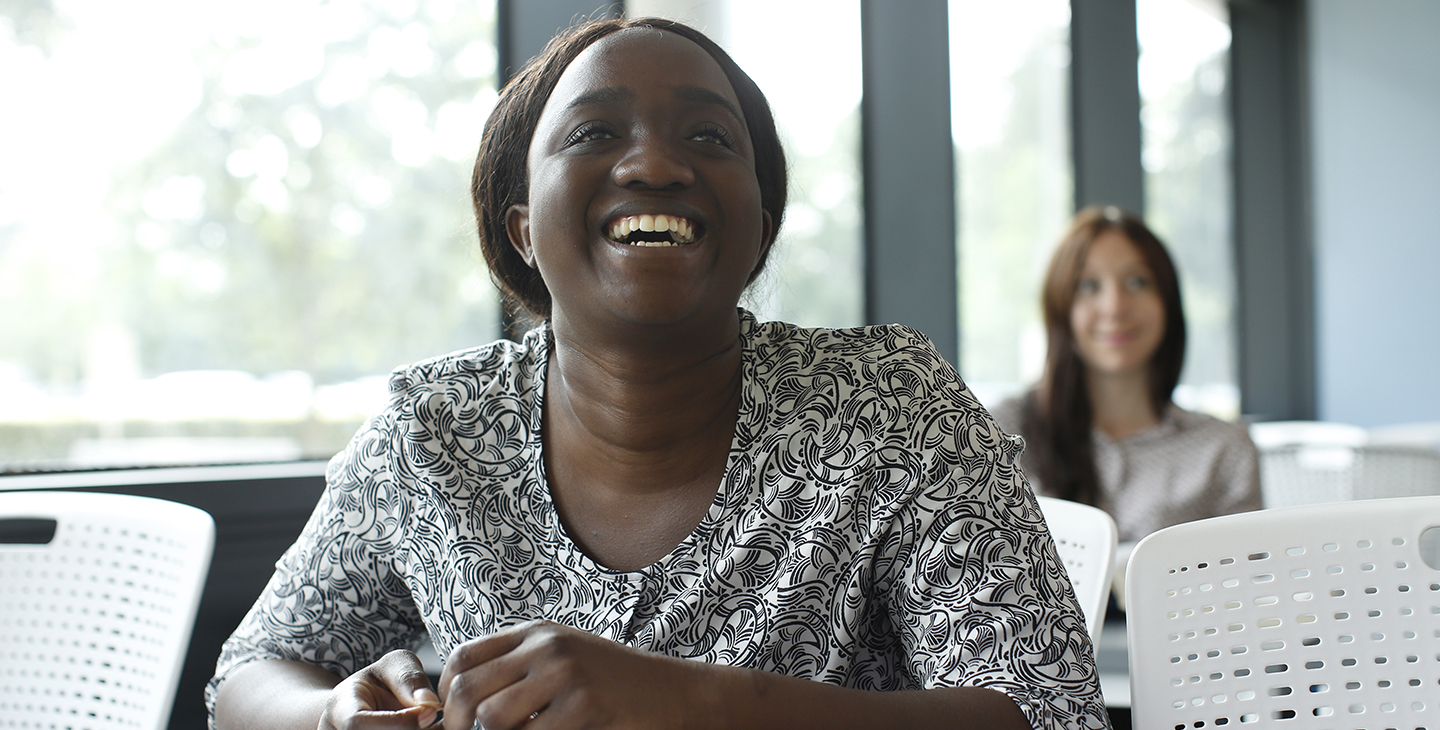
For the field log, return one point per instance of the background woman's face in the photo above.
(643, 131)
(1118, 317)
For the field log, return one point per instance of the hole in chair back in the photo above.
(26, 531)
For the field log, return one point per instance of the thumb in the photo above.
(402, 672)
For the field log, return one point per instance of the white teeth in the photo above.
(681, 230)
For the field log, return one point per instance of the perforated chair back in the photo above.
(1295, 474)
(1085, 538)
(98, 594)
(1318, 616)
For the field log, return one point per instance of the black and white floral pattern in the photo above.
(872, 531)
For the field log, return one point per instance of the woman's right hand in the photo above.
(391, 693)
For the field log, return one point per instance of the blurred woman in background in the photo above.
(1100, 427)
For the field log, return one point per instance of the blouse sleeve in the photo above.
(336, 599)
(980, 596)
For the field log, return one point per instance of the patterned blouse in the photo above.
(871, 531)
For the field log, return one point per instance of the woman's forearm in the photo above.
(273, 695)
(752, 699)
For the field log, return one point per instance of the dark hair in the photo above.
(1058, 416)
(501, 176)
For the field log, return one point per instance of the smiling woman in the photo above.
(1100, 426)
(656, 510)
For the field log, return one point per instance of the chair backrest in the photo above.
(98, 594)
(1085, 538)
(1316, 616)
(1269, 434)
(1296, 474)
(1425, 434)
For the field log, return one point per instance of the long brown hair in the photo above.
(1058, 417)
(501, 176)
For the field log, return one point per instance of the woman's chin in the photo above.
(1117, 366)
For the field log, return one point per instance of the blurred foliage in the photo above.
(1014, 198)
(289, 228)
(815, 274)
(1187, 203)
(35, 23)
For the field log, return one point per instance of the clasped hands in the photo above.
(538, 675)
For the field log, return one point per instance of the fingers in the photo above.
(512, 707)
(348, 713)
(489, 683)
(472, 654)
(402, 672)
(479, 691)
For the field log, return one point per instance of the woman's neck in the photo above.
(655, 401)
(643, 400)
(636, 439)
(1120, 402)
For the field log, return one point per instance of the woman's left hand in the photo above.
(543, 675)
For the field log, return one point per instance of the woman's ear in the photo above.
(517, 226)
(767, 233)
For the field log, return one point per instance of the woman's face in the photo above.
(643, 204)
(1118, 316)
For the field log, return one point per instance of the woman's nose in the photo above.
(652, 163)
(1112, 300)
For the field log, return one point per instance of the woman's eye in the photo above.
(588, 133)
(1087, 286)
(714, 134)
(1137, 283)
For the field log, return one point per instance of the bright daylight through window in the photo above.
(1009, 102)
(222, 224)
(1184, 117)
(1010, 113)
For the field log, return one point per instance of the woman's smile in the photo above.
(658, 230)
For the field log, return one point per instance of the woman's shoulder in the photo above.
(1199, 425)
(868, 347)
(500, 367)
(874, 374)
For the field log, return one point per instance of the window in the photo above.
(1009, 76)
(815, 273)
(222, 224)
(1184, 114)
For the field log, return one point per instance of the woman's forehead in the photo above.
(628, 59)
(1113, 247)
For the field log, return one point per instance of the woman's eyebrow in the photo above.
(702, 95)
(601, 97)
(609, 95)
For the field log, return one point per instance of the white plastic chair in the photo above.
(1317, 616)
(98, 594)
(1085, 538)
(1273, 434)
(1306, 474)
(1424, 435)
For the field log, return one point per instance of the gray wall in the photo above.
(1375, 121)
